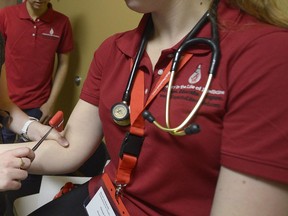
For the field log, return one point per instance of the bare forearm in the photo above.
(59, 78)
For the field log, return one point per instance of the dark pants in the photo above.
(9, 136)
(69, 204)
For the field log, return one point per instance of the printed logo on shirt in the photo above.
(51, 34)
(192, 87)
(196, 76)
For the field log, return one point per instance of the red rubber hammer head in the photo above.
(57, 121)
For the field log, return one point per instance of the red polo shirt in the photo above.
(243, 119)
(30, 52)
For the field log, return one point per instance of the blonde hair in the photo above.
(270, 11)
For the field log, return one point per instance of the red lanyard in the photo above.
(128, 161)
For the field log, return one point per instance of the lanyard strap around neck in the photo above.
(134, 139)
(137, 104)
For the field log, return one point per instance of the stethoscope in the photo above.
(120, 111)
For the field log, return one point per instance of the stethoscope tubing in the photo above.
(213, 44)
(128, 89)
(177, 129)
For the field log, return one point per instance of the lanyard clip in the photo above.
(119, 189)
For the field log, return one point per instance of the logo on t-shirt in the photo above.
(51, 33)
(196, 76)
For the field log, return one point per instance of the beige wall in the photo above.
(92, 22)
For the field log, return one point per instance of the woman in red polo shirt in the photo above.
(236, 164)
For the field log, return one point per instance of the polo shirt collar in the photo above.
(46, 17)
(129, 43)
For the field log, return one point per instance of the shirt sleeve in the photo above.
(66, 43)
(91, 87)
(255, 135)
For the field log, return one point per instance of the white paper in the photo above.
(100, 205)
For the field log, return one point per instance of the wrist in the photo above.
(24, 130)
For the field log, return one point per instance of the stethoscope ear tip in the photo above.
(148, 116)
(192, 129)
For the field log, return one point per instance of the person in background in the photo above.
(34, 33)
(237, 163)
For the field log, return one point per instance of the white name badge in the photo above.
(99, 205)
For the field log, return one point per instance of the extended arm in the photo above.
(84, 134)
(238, 194)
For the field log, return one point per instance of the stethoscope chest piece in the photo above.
(120, 114)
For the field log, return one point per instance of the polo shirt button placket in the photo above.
(35, 28)
(34, 34)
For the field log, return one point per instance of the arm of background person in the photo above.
(238, 194)
(58, 81)
(84, 134)
(35, 130)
